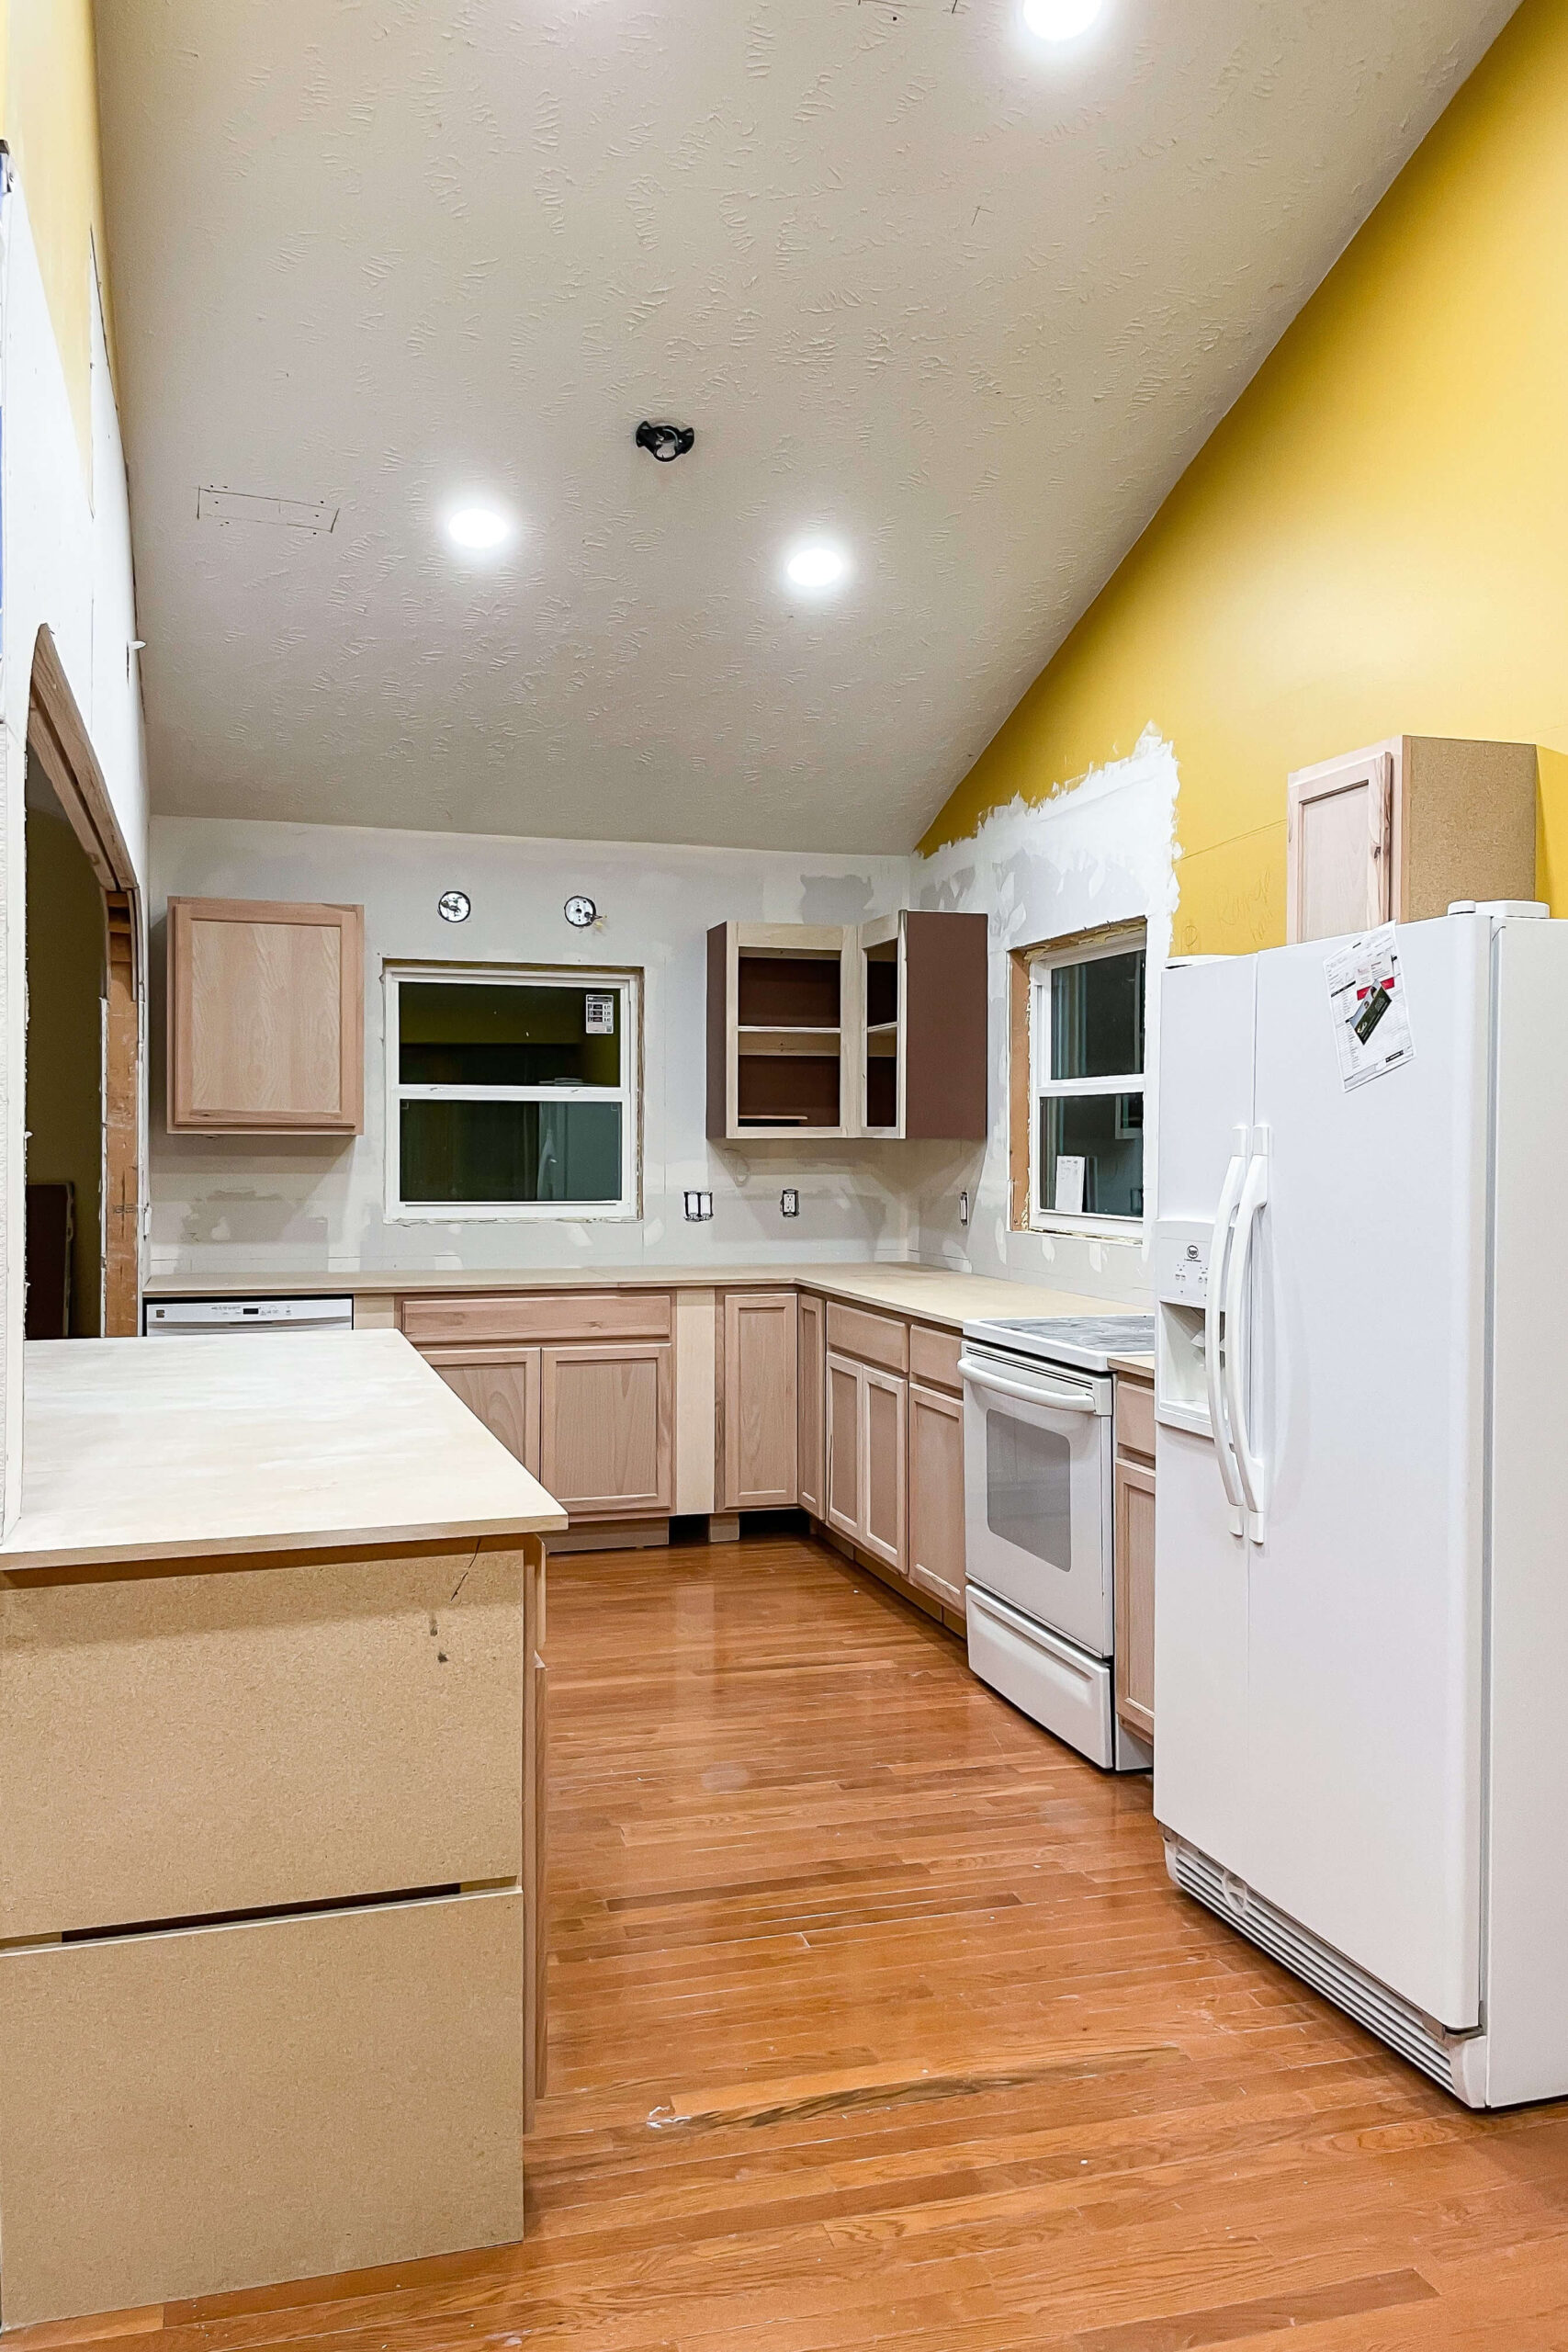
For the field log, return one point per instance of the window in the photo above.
(1087, 1044)
(511, 1093)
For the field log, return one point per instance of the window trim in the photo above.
(628, 981)
(1039, 964)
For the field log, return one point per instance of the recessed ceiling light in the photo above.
(477, 526)
(818, 566)
(1060, 20)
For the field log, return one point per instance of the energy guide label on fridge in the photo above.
(1366, 996)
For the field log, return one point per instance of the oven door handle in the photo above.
(1060, 1400)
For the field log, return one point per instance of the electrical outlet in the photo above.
(963, 1209)
(699, 1208)
(789, 1203)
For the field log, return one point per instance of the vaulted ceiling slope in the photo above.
(962, 300)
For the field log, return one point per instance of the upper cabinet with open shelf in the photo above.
(833, 1031)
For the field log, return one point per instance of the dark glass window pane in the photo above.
(1097, 1017)
(511, 1152)
(1028, 1489)
(479, 1033)
(1106, 1131)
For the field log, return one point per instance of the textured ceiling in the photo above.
(965, 301)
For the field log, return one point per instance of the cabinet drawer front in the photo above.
(607, 1433)
(1135, 1416)
(172, 1745)
(540, 1315)
(933, 1357)
(192, 2113)
(876, 1339)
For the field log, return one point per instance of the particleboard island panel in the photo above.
(271, 1757)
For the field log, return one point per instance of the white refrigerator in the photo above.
(1362, 1488)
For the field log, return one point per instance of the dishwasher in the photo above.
(180, 1317)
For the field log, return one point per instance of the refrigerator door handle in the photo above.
(1249, 1468)
(1213, 1307)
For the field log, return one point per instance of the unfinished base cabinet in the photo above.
(608, 1416)
(501, 1387)
(1133, 1555)
(759, 1413)
(866, 1463)
(811, 1419)
(936, 1495)
(578, 1385)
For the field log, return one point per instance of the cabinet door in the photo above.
(535, 1787)
(1135, 1563)
(810, 1379)
(265, 1010)
(1338, 854)
(759, 1400)
(606, 1427)
(501, 1387)
(936, 1495)
(844, 1481)
(883, 1406)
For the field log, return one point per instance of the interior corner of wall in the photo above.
(1551, 827)
(1231, 898)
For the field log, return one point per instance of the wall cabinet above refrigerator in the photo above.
(877, 1029)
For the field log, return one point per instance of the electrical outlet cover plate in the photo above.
(789, 1203)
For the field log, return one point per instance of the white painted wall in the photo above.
(1100, 854)
(315, 1203)
(64, 561)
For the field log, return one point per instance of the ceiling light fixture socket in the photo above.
(665, 443)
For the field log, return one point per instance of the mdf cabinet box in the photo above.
(266, 1018)
(1400, 831)
(831, 1030)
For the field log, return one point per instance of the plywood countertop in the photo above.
(934, 1295)
(1139, 1364)
(159, 1448)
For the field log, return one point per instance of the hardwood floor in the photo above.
(876, 2021)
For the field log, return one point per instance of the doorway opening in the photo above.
(83, 1044)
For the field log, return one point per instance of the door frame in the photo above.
(58, 739)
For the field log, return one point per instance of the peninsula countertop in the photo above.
(159, 1449)
(930, 1294)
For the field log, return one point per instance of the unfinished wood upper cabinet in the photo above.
(867, 1461)
(810, 1379)
(265, 1017)
(1399, 832)
(936, 1494)
(759, 1400)
(923, 994)
(607, 1418)
(782, 1021)
(501, 1387)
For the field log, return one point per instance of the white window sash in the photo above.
(619, 984)
(1044, 1089)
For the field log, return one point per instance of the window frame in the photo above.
(624, 982)
(1041, 963)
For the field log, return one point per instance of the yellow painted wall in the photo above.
(48, 113)
(1373, 542)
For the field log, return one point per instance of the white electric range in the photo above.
(1038, 1468)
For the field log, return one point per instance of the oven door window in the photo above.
(1028, 1497)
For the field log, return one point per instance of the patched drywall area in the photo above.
(317, 1205)
(1102, 853)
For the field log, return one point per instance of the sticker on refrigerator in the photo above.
(1366, 996)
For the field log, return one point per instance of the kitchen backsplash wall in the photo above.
(309, 1204)
(1100, 854)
